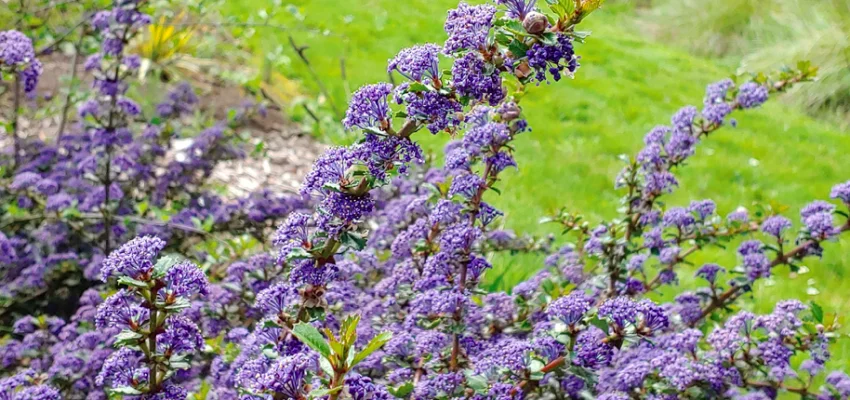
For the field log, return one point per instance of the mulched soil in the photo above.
(290, 151)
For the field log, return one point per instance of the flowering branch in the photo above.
(725, 298)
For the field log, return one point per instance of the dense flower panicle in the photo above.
(286, 376)
(570, 309)
(841, 192)
(468, 27)
(121, 368)
(518, 8)
(636, 262)
(775, 226)
(39, 392)
(816, 207)
(121, 310)
(660, 182)
(709, 272)
(133, 259)
(362, 388)
(17, 55)
(292, 232)
(368, 107)
(591, 351)
(347, 208)
(466, 185)
(820, 225)
(555, 59)
(482, 137)
(678, 217)
(703, 208)
(652, 316)
(716, 114)
(417, 62)
(437, 111)
(185, 280)
(25, 180)
(181, 336)
(755, 262)
(620, 310)
(717, 92)
(751, 95)
(475, 79)
(179, 101)
(277, 298)
(329, 168)
(58, 202)
(15, 48)
(669, 255)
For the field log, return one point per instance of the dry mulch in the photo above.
(290, 151)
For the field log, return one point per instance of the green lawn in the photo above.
(627, 84)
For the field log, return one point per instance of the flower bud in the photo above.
(522, 70)
(535, 23)
(510, 111)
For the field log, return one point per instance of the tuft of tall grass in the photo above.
(760, 34)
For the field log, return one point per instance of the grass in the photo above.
(627, 85)
(756, 33)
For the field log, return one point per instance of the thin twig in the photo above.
(300, 51)
(16, 109)
(345, 86)
(62, 38)
(311, 113)
(71, 85)
(723, 299)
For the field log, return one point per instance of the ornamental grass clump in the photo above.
(372, 288)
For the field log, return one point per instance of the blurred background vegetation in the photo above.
(758, 34)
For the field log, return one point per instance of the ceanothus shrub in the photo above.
(372, 291)
(114, 175)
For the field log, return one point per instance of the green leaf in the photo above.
(127, 337)
(298, 253)
(518, 48)
(600, 323)
(326, 366)
(376, 343)
(349, 329)
(477, 383)
(316, 313)
(180, 304)
(514, 25)
(417, 87)
(324, 392)
(817, 311)
(311, 337)
(125, 390)
(126, 280)
(353, 241)
(549, 38)
(270, 323)
(332, 187)
(402, 390)
(165, 263)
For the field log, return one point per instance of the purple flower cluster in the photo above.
(472, 79)
(148, 312)
(555, 59)
(468, 27)
(417, 62)
(18, 56)
(391, 255)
